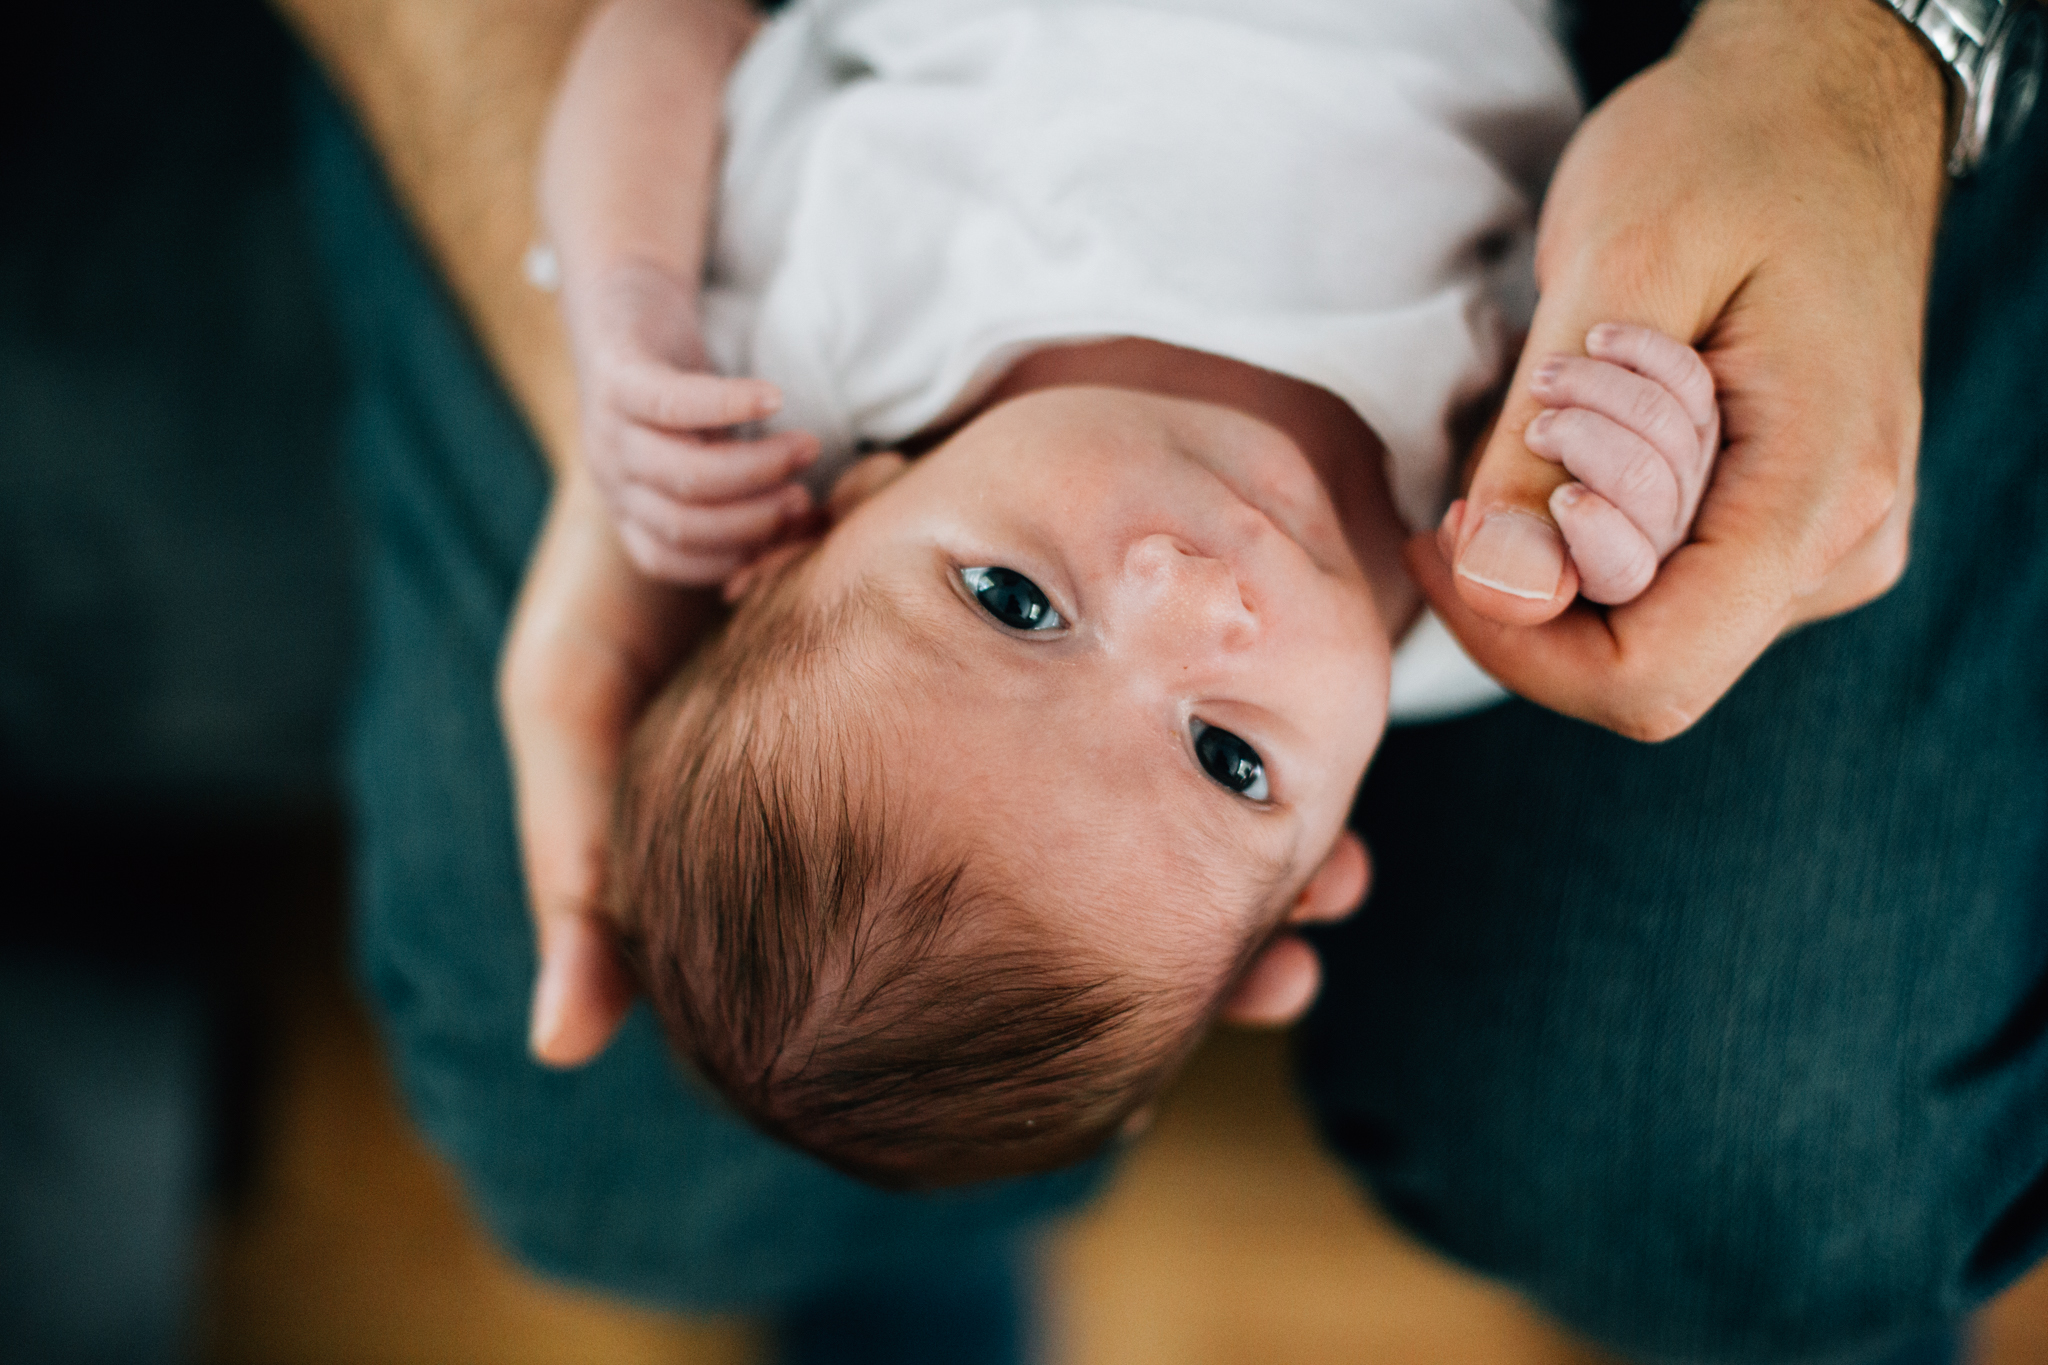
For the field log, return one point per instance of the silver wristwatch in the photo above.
(1994, 52)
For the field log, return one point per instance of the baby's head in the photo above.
(940, 858)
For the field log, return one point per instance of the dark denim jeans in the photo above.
(1724, 1050)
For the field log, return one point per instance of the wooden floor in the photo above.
(1229, 1239)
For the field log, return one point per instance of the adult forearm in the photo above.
(454, 96)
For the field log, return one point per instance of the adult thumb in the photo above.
(581, 993)
(1510, 564)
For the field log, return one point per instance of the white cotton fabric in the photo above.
(918, 192)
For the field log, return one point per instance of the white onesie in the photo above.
(918, 192)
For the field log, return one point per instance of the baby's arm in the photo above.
(1634, 421)
(629, 171)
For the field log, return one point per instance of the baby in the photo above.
(1025, 746)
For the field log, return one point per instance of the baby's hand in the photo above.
(693, 502)
(1634, 421)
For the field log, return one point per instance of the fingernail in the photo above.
(1567, 495)
(1515, 553)
(1539, 429)
(547, 1008)
(1602, 335)
(768, 400)
(1547, 373)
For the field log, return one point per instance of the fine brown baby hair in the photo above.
(900, 1017)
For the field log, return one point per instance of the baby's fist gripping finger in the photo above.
(1634, 422)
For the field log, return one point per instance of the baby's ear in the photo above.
(862, 480)
(1338, 886)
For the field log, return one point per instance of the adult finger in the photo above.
(589, 640)
(694, 470)
(682, 400)
(581, 991)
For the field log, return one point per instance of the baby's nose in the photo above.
(1195, 596)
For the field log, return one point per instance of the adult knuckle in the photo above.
(1869, 494)
(1652, 719)
(1893, 558)
(1882, 564)
(1644, 702)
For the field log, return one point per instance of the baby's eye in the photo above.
(1011, 598)
(1231, 761)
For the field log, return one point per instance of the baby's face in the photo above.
(1160, 673)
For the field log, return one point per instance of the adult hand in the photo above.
(1770, 191)
(591, 640)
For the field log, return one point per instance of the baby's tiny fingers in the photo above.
(1664, 360)
(1643, 406)
(1617, 464)
(697, 471)
(703, 528)
(1615, 561)
(684, 400)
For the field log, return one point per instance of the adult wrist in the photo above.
(1992, 53)
(1881, 84)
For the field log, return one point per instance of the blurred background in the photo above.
(201, 1154)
